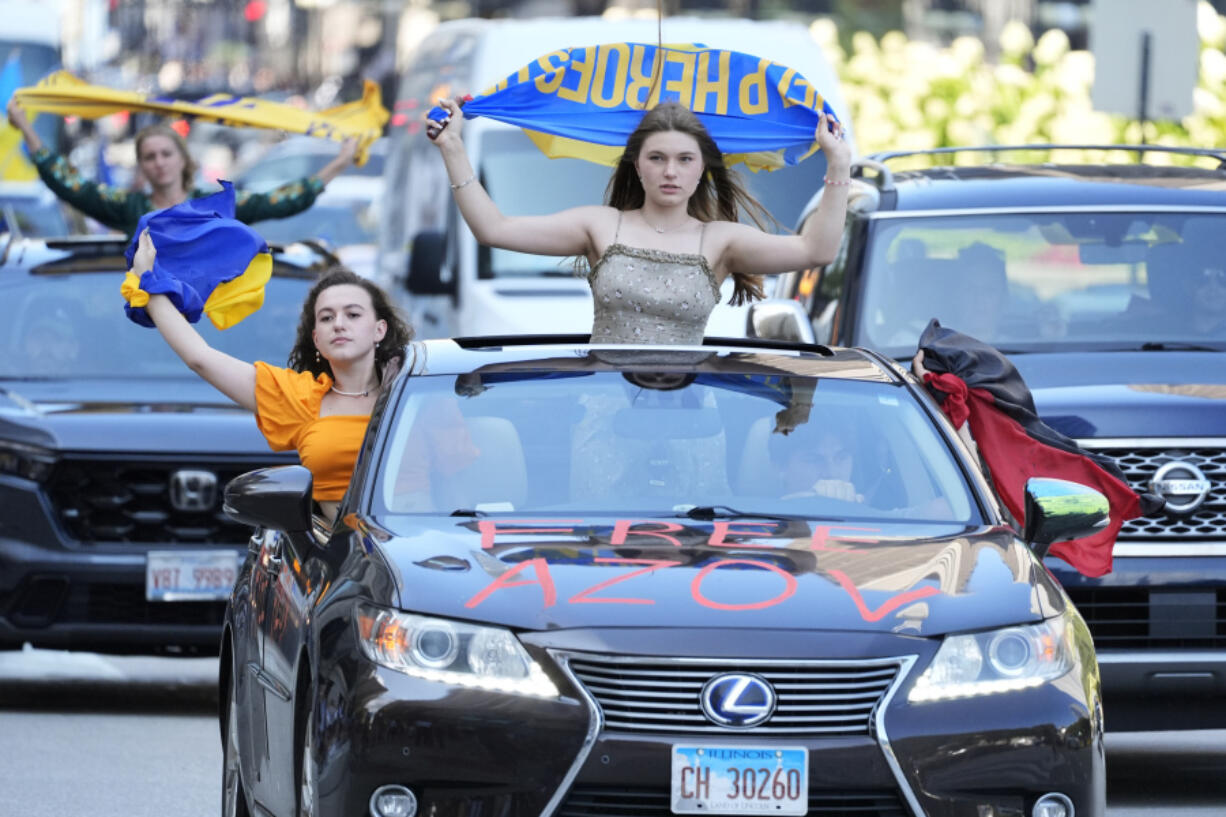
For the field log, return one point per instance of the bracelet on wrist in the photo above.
(836, 182)
(465, 183)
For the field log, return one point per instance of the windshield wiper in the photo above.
(1165, 346)
(707, 512)
(466, 512)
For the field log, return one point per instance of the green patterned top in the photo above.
(122, 209)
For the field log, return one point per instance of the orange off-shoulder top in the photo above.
(287, 412)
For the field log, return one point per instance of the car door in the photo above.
(294, 575)
(266, 545)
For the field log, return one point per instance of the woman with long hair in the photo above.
(669, 233)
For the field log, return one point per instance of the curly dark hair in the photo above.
(720, 195)
(303, 357)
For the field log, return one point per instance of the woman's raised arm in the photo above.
(568, 232)
(232, 377)
(755, 252)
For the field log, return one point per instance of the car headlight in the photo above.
(451, 652)
(25, 461)
(998, 661)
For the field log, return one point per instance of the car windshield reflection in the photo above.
(1036, 281)
(73, 326)
(665, 443)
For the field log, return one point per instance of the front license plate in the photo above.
(190, 575)
(740, 779)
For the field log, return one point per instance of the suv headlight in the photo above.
(451, 652)
(1004, 660)
(25, 461)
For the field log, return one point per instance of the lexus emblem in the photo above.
(1182, 485)
(738, 700)
(193, 490)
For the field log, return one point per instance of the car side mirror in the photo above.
(426, 260)
(1058, 510)
(278, 498)
(779, 319)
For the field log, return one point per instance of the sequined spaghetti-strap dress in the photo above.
(645, 297)
(651, 296)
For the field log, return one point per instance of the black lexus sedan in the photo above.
(588, 581)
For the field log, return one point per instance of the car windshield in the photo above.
(270, 173)
(1041, 281)
(523, 181)
(667, 444)
(338, 224)
(73, 326)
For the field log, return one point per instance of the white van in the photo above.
(452, 286)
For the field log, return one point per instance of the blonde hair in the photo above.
(189, 164)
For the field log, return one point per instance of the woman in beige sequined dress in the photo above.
(670, 234)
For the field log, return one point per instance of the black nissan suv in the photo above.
(114, 455)
(1105, 284)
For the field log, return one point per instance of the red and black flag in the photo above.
(976, 384)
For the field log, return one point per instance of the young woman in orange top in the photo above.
(350, 340)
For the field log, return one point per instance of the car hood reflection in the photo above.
(542, 573)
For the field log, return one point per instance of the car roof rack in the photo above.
(485, 341)
(885, 177)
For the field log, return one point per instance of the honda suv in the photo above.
(1106, 286)
(114, 455)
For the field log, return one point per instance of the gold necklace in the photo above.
(350, 393)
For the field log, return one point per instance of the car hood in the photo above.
(1129, 394)
(544, 574)
(129, 414)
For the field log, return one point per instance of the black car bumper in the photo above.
(1159, 627)
(96, 601)
(465, 752)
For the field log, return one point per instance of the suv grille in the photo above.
(826, 698)
(587, 801)
(1206, 522)
(112, 500)
(1137, 617)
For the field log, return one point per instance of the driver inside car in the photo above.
(817, 462)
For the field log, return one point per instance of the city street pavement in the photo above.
(135, 736)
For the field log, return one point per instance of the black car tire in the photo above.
(233, 792)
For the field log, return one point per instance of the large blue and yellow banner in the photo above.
(584, 102)
(63, 94)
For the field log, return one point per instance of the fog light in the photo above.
(1053, 804)
(393, 801)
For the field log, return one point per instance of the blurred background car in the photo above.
(343, 220)
(301, 156)
(31, 209)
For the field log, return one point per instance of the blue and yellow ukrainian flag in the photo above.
(584, 102)
(63, 94)
(207, 262)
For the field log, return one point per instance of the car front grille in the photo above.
(586, 801)
(1140, 617)
(660, 695)
(130, 501)
(1140, 464)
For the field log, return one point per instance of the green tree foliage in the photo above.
(907, 95)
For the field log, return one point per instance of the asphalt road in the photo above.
(137, 737)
